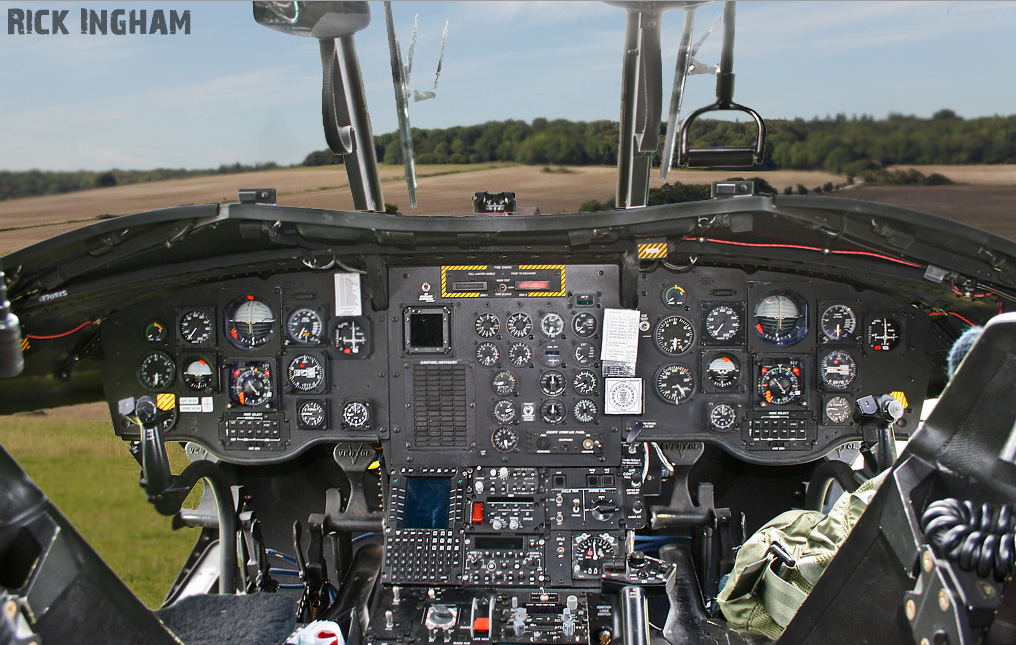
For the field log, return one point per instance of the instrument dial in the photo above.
(551, 354)
(312, 415)
(251, 385)
(520, 354)
(838, 409)
(780, 385)
(504, 439)
(155, 332)
(487, 325)
(553, 411)
(250, 322)
(838, 322)
(487, 354)
(552, 383)
(674, 296)
(584, 324)
(551, 325)
(519, 325)
(722, 417)
(585, 411)
(197, 374)
(675, 383)
(156, 371)
(505, 411)
(350, 338)
(723, 322)
(838, 369)
(585, 353)
(723, 371)
(304, 326)
(590, 552)
(195, 327)
(883, 334)
(674, 335)
(356, 414)
(781, 318)
(305, 373)
(504, 383)
(585, 382)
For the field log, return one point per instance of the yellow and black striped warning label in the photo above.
(901, 397)
(522, 281)
(447, 293)
(652, 249)
(551, 267)
(165, 401)
(25, 344)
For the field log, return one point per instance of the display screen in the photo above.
(427, 502)
(427, 330)
(498, 543)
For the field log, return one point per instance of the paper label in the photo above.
(348, 301)
(620, 347)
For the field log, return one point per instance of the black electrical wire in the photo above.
(979, 538)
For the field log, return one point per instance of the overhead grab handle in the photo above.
(723, 156)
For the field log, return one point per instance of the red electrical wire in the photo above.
(952, 313)
(806, 248)
(66, 333)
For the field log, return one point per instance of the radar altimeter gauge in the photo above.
(249, 322)
(304, 326)
(781, 318)
(156, 370)
(504, 439)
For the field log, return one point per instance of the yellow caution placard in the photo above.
(25, 344)
(901, 397)
(492, 281)
(653, 249)
(165, 401)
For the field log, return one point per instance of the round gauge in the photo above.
(674, 335)
(504, 439)
(552, 383)
(304, 326)
(350, 338)
(197, 374)
(504, 383)
(838, 369)
(487, 325)
(781, 318)
(156, 370)
(311, 414)
(195, 327)
(551, 325)
(584, 324)
(553, 411)
(780, 385)
(250, 387)
(723, 322)
(585, 411)
(590, 552)
(585, 382)
(487, 354)
(519, 325)
(585, 353)
(838, 409)
(674, 296)
(674, 383)
(838, 322)
(519, 354)
(883, 334)
(723, 371)
(250, 322)
(505, 411)
(722, 417)
(550, 354)
(356, 414)
(305, 373)
(155, 332)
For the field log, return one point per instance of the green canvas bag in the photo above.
(778, 566)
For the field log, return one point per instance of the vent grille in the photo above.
(439, 401)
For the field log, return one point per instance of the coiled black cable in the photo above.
(978, 538)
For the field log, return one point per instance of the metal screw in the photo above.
(943, 600)
(927, 561)
(11, 609)
(911, 608)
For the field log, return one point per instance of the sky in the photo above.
(234, 91)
